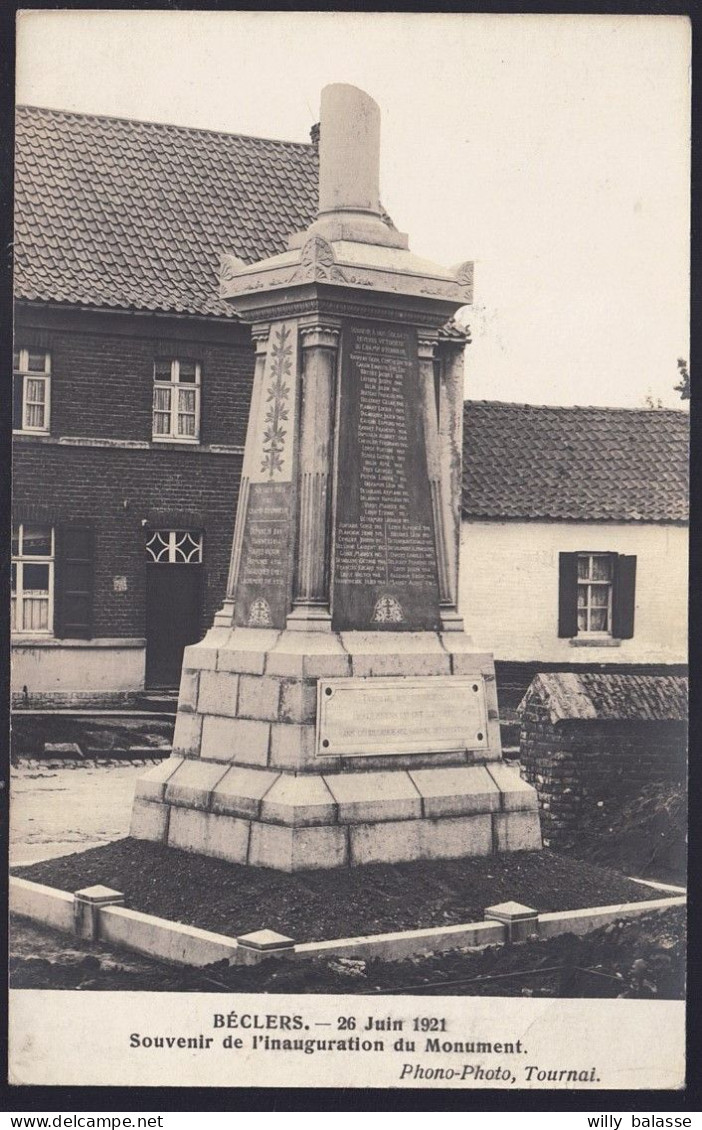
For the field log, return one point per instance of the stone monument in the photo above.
(336, 713)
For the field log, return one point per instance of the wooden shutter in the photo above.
(567, 595)
(17, 390)
(75, 568)
(624, 597)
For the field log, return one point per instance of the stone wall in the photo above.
(579, 766)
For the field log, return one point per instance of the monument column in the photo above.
(450, 396)
(440, 485)
(337, 714)
(224, 618)
(319, 342)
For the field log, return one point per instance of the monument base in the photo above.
(298, 750)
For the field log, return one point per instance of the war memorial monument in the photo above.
(336, 713)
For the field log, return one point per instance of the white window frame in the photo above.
(589, 633)
(23, 371)
(174, 385)
(19, 560)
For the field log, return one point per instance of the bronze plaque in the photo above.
(373, 716)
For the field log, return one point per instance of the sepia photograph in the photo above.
(350, 429)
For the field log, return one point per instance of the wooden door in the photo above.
(173, 619)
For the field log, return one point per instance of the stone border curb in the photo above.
(660, 886)
(47, 905)
(188, 945)
(592, 917)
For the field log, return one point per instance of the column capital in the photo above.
(452, 347)
(259, 336)
(319, 332)
(426, 344)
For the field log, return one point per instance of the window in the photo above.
(596, 596)
(52, 580)
(595, 593)
(32, 579)
(31, 391)
(175, 547)
(176, 413)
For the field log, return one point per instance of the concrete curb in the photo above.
(591, 918)
(110, 760)
(408, 943)
(168, 941)
(187, 945)
(47, 905)
(659, 886)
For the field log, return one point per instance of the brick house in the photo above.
(574, 540)
(131, 388)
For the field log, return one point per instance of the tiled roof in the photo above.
(128, 214)
(531, 461)
(600, 697)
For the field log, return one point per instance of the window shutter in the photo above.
(567, 595)
(624, 597)
(75, 567)
(17, 406)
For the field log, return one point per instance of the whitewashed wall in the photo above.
(509, 589)
(76, 667)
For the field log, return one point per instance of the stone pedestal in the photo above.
(250, 780)
(336, 713)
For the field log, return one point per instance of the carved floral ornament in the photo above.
(278, 406)
(464, 274)
(259, 614)
(387, 610)
(318, 265)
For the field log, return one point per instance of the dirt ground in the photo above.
(61, 810)
(55, 811)
(313, 905)
(646, 837)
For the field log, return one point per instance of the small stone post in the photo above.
(87, 905)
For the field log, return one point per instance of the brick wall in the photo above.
(102, 372)
(115, 490)
(102, 384)
(578, 766)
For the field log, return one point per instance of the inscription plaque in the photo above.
(264, 580)
(263, 589)
(435, 714)
(385, 573)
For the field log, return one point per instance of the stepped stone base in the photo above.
(249, 782)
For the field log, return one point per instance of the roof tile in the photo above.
(528, 461)
(605, 696)
(120, 213)
(103, 203)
